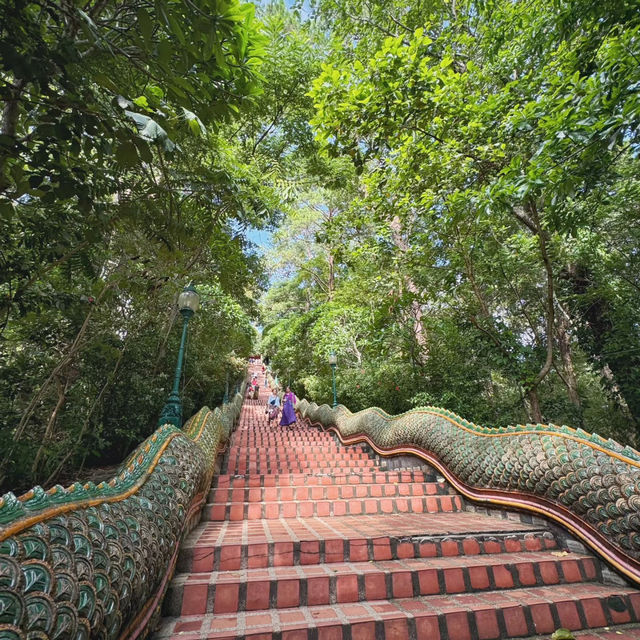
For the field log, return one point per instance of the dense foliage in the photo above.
(458, 182)
(484, 255)
(119, 184)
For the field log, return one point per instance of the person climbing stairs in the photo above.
(306, 539)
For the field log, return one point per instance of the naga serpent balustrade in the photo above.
(589, 485)
(95, 561)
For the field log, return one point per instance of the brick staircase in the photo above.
(306, 539)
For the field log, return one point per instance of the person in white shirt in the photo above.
(273, 405)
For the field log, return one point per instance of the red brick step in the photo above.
(492, 615)
(218, 546)
(326, 492)
(323, 448)
(245, 590)
(326, 508)
(297, 456)
(299, 467)
(308, 479)
(279, 435)
(293, 454)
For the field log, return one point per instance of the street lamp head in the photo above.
(333, 359)
(189, 300)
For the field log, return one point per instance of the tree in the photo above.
(479, 132)
(117, 187)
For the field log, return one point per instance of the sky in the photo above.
(261, 238)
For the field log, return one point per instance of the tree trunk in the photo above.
(419, 333)
(62, 396)
(616, 393)
(529, 217)
(543, 239)
(533, 406)
(12, 109)
(9, 123)
(331, 283)
(564, 346)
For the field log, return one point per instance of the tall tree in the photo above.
(480, 132)
(117, 187)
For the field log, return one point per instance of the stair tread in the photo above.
(387, 489)
(379, 566)
(332, 500)
(313, 477)
(448, 607)
(414, 525)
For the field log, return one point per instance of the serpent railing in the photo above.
(587, 484)
(94, 561)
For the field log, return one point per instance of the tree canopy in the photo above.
(451, 185)
(479, 263)
(120, 184)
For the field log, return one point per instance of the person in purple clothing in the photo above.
(288, 412)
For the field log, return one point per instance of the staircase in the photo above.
(306, 539)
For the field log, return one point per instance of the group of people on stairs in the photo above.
(288, 407)
(253, 388)
(274, 402)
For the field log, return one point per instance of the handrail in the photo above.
(95, 560)
(589, 485)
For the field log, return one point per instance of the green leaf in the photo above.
(209, 38)
(142, 102)
(127, 154)
(105, 81)
(242, 44)
(165, 52)
(154, 132)
(139, 118)
(151, 130)
(221, 60)
(175, 27)
(154, 92)
(195, 124)
(145, 25)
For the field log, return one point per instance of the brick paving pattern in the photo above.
(306, 539)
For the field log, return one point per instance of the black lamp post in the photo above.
(188, 303)
(333, 361)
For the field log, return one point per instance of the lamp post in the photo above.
(225, 400)
(188, 303)
(333, 361)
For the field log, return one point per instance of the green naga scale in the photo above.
(589, 485)
(94, 561)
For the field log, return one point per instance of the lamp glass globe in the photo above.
(189, 299)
